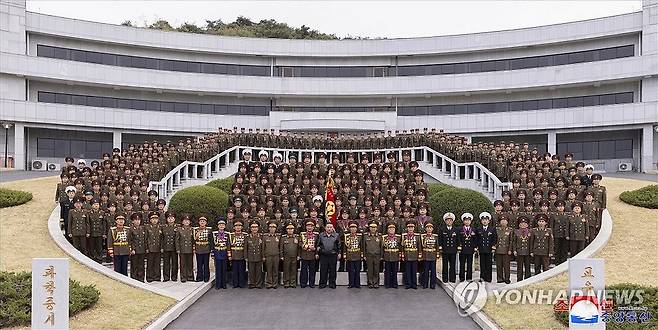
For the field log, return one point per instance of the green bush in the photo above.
(458, 201)
(16, 297)
(435, 187)
(200, 200)
(643, 197)
(10, 197)
(649, 300)
(222, 184)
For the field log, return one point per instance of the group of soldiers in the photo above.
(552, 211)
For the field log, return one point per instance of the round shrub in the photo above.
(435, 187)
(643, 197)
(649, 300)
(222, 184)
(10, 197)
(200, 200)
(458, 201)
(16, 296)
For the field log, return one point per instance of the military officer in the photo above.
(118, 245)
(78, 227)
(97, 230)
(578, 230)
(271, 252)
(203, 244)
(541, 244)
(503, 250)
(238, 255)
(522, 249)
(486, 245)
(137, 241)
(308, 242)
(448, 243)
(169, 255)
(466, 246)
(430, 249)
(353, 253)
(560, 226)
(221, 252)
(185, 249)
(253, 246)
(410, 242)
(392, 252)
(373, 250)
(289, 254)
(154, 246)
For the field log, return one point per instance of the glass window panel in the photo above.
(626, 51)
(624, 97)
(46, 97)
(45, 147)
(123, 60)
(530, 105)
(94, 101)
(78, 55)
(78, 100)
(138, 62)
(561, 59)
(207, 68)
(166, 65)
(576, 57)
(545, 60)
(516, 64)
(63, 98)
(207, 109)
(194, 108)
(106, 146)
(628, 153)
(475, 67)
(560, 103)
(45, 51)
(94, 147)
(180, 107)
(333, 72)
(606, 149)
(153, 105)
(530, 62)
(124, 104)
(61, 53)
(152, 63)
(139, 104)
(232, 69)
(501, 65)
(607, 99)
(609, 53)
(422, 111)
(167, 106)
(544, 104)
(308, 71)
(180, 66)
(448, 109)
(109, 102)
(516, 106)
(590, 150)
(221, 68)
(221, 109)
(320, 71)
(575, 147)
(499, 107)
(434, 110)
(576, 101)
(94, 57)
(109, 59)
(460, 109)
(78, 149)
(590, 100)
(453, 68)
(62, 148)
(562, 148)
(488, 66)
(193, 67)
(435, 69)
(589, 56)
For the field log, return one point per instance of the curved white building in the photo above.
(73, 87)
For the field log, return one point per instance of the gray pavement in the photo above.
(15, 175)
(340, 308)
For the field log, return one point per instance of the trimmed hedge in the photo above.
(222, 184)
(10, 197)
(200, 200)
(644, 197)
(649, 300)
(435, 187)
(16, 297)
(458, 201)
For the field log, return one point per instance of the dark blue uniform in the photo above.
(220, 254)
(486, 240)
(466, 246)
(448, 247)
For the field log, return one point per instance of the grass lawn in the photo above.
(629, 257)
(24, 235)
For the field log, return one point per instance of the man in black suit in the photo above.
(448, 248)
(466, 247)
(486, 244)
(65, 206)
(586, 180)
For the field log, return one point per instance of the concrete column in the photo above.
(19, 146)
(552, 142)
(646, 158)
(649, 27)
(116, 139)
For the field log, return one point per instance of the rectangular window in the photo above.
(62, 148)
(123, 60)
(589, 101)
(180, 107)
(63, 98)
(167, 106)
(207, 109)
(94, 101)
(544, 104)
(578, 57)
(626, 51)
(78, 55)
(606, 149)
(448, 109)
(78, 149)
(152, 63)
(109, 102)
(561, 60)
(475, 67)
(590, 150)
(608, 54)
(46, 97)
(180, 66)
(193, 67)
(93, 57)
(530, 105)
(607, 99)
(45, 51)
(516, 106)
(576, 101)
(559, 103)
(207, 68)
(124, 104)
(78, 100)
(139, 105)
(332, 71)
(45, 147)
(624, 148)
(167, 65)
(221, 69)
(516, 64)
(460, 109)
(153, 105)
(221, 109)
(452, 68)
(139, 62)
(109, 59)
(194, 107)
(624, 98)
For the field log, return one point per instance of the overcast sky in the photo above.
(390, 19)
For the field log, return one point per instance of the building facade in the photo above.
(74, 87)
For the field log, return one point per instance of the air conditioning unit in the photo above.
(38, 165)
(54, 167)
(625, 167)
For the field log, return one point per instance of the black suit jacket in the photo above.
(485, 240)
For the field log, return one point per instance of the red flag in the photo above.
(330, 206)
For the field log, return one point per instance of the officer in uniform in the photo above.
(448, 243)
(353, 253)
(560, 226)
(66, 205)
(271, 242)
(541, 244)
(308, 242)
(169, 255)
(578, 230)
(253, 246)
(430, 249)
(486, 245)
(237, 255)
(118, 245)
(373, 250)
(137, 242)
(466, 247)
(392, 251)
(97, 231)
(289, 254)
(154, 246)
(522, 249)
(410, 252)
(78, 227)
(203, 244)
(221, 252)
(185, 249)
(503, 250)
